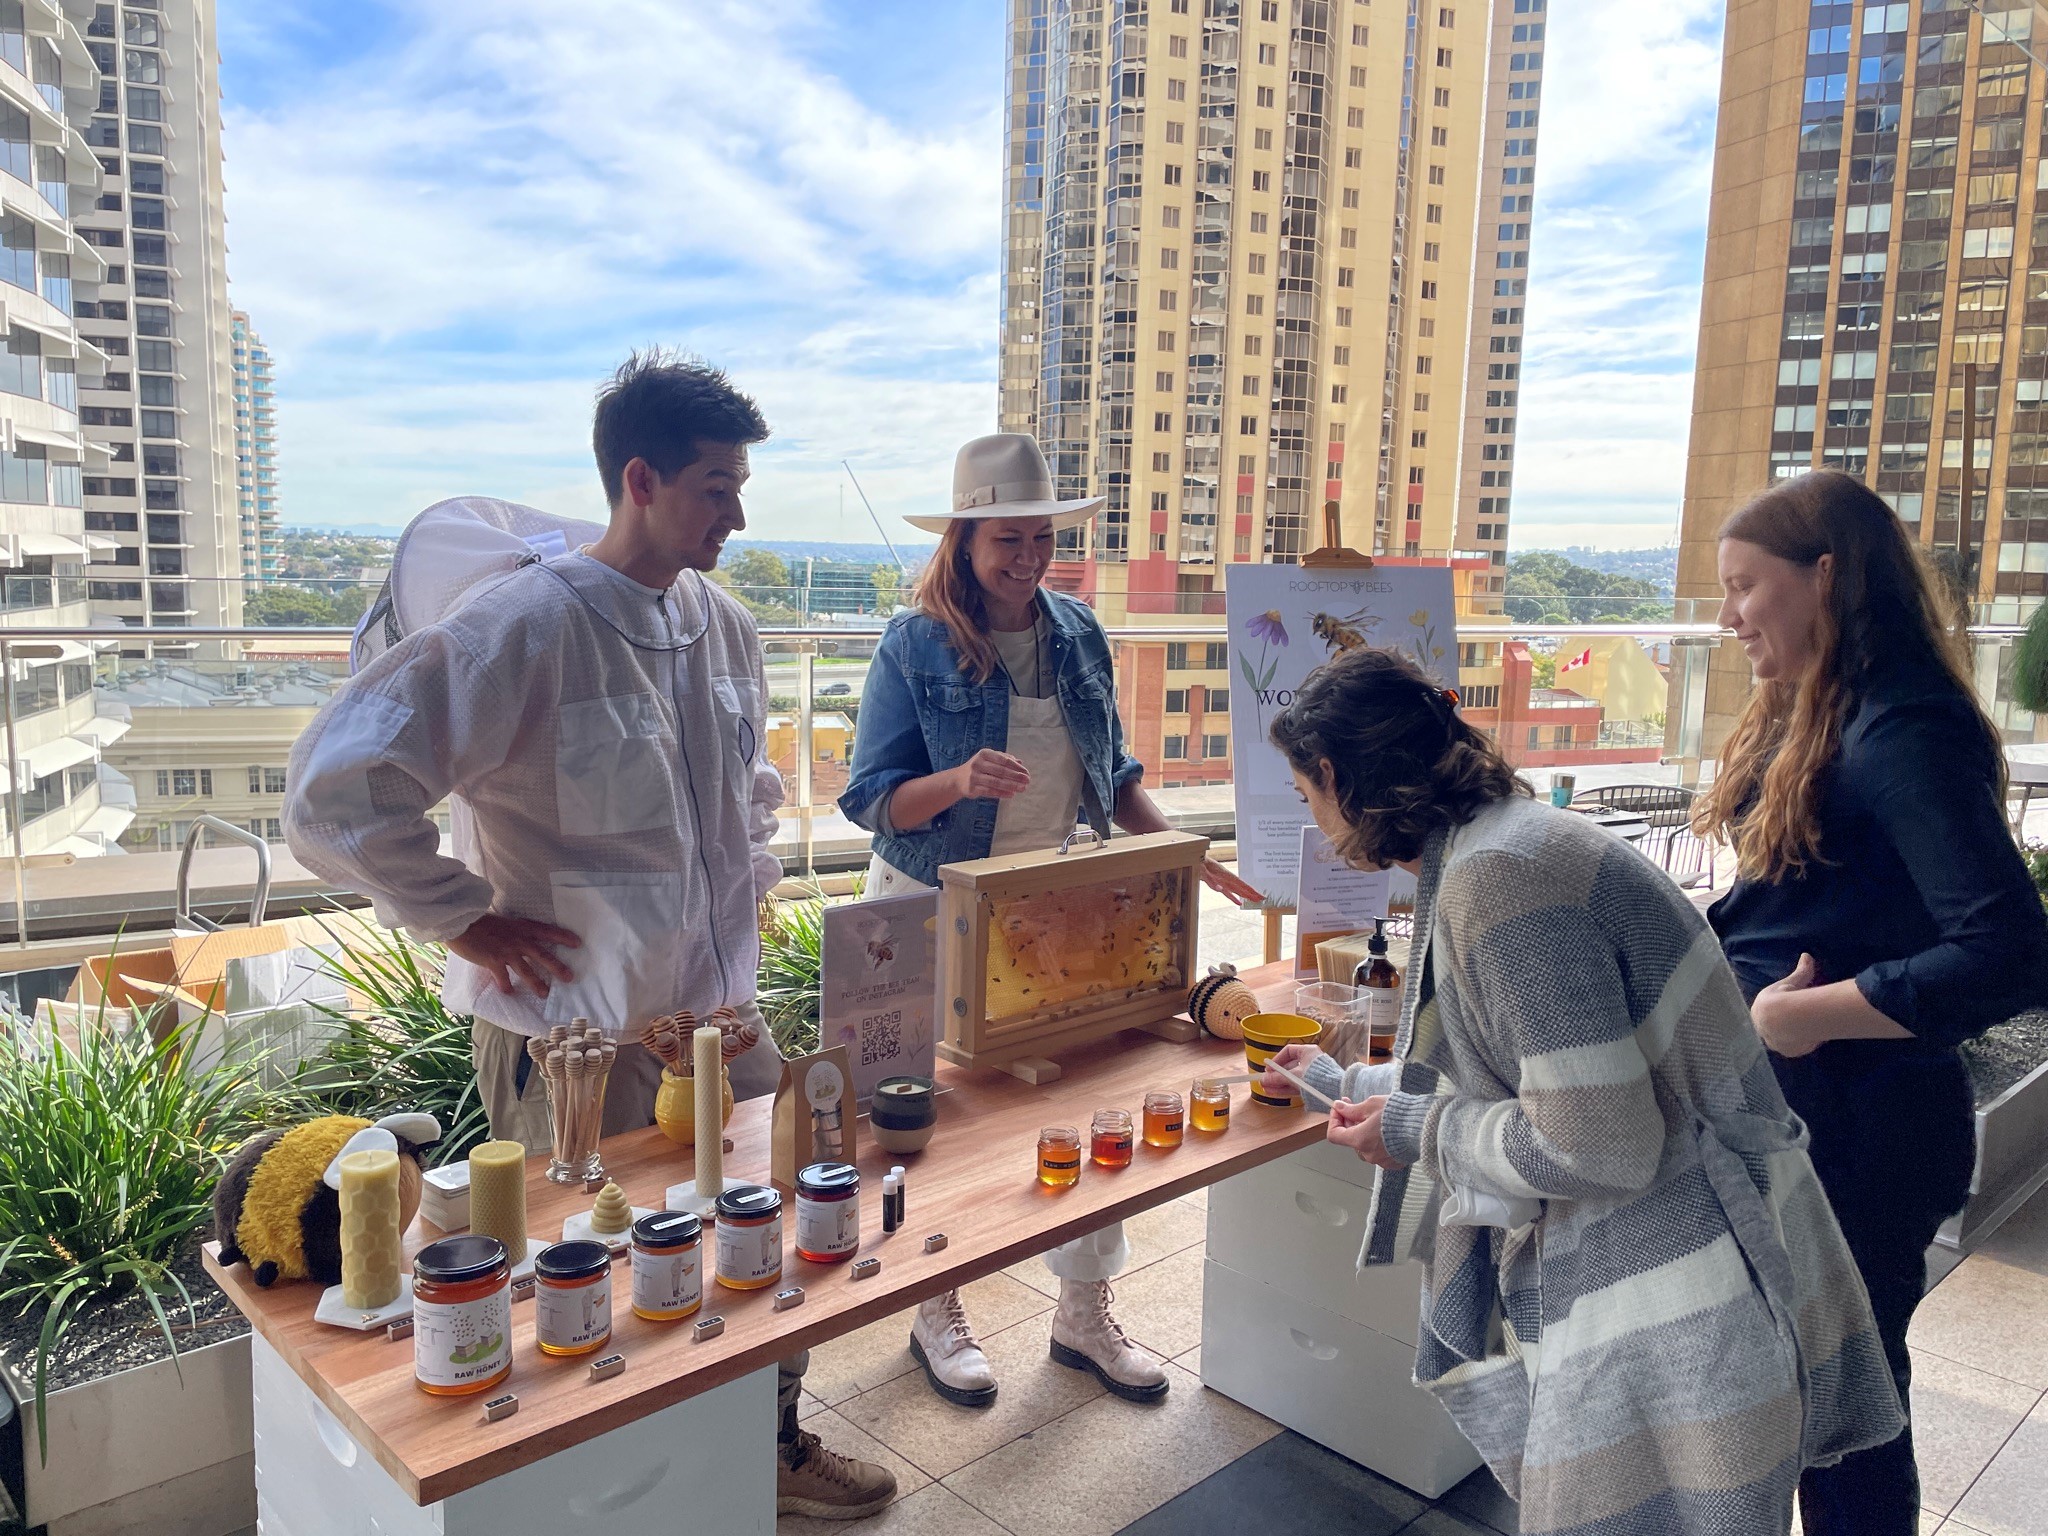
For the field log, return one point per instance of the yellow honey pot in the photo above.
(675, 1106)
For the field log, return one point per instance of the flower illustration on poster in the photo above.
(1269, 630)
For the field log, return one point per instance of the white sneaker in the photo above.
(1087, 1338)
(943, 1341)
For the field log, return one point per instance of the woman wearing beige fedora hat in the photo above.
(988, 725)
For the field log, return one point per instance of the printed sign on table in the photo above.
(1337, 899)
(1283, 622)
(881, 985)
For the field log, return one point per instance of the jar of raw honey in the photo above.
(1059, 1156)
(827, 1212)
(1112, 1138)
(749, 1237)
(1164, 1119)
(461, 1315)
(572, 1297)
(668, 1266)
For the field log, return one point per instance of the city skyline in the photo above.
(851, 279)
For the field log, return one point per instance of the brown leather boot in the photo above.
(811, 1480)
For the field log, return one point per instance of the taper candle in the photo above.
(707, 1061)
(497, 1195)
(369, 1228)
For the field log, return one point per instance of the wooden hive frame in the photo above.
(1021, 1043)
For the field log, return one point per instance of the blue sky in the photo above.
(450, 220)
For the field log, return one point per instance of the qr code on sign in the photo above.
(881, 1037)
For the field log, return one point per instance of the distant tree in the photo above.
(1543, 670)
(760, 574)
(1546, 588)
(888, 582)
(285, 605)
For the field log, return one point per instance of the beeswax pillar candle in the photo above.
(497, 1195)
(369, 1229)
(707, 1059)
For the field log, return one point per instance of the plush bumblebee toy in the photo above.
(278, 1206)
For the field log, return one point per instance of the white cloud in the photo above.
(1619, 239)
(449, 239)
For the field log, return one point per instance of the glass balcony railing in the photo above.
(208, 716)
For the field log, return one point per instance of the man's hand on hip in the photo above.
(516, 951)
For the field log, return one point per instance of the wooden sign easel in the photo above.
(1334, 555)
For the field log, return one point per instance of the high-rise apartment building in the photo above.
(1878, 242)
(1262, 255)
(165, 408)
(56, 795)
(255, 452)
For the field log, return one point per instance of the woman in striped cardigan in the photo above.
(1665, 1326)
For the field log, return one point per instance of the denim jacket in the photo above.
(920, 714)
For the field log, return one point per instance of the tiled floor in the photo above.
(1056, 1456)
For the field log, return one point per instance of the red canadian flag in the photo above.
(1583, 659)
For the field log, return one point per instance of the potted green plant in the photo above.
(130, 1368)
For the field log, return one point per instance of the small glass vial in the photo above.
(461, 1315)
(572, 1297)
(1112, 1138)
(668, 1266)
(749, 1238)
(827, 1212)
(1164, 1119)
(1209, 1105)
(1059, 1156)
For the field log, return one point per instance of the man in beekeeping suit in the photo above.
(596, 720)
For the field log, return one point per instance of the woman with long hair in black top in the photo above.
(1882, 914)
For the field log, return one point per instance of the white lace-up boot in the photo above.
(943, 1341)
(1087, 1338)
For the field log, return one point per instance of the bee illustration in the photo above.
(881, 952)
(1346, 634)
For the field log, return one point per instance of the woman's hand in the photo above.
(1784, 1025)
(991, 775)
(1295, 1058)
(1218, 878)
(1357, 1126)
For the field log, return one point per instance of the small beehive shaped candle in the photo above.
(369, 1229)
(1220, 1003)
(497, 1195)
(613, 1211)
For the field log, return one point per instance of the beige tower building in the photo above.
(1262, 255)
(1878, 240)
(165, 408)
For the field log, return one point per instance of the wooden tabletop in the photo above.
(976, 1182)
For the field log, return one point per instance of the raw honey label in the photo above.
(456, 1343)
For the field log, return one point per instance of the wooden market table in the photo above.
(703, 1412)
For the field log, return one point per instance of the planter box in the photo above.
(166, 1448)
(2012, 1161)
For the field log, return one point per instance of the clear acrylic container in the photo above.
(1341, 1010)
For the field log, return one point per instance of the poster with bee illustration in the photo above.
(1284, 621)
(881, 979)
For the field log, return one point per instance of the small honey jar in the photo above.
(1209, 1105)
(1164, 1119)
(749, 1238)
(572, 1297)
(1112, 1138)
(1059, 1156)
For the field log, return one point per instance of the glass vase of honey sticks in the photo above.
(575, 1062)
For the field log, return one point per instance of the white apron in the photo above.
(1042, 816)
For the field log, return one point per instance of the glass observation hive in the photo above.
(1044, 950)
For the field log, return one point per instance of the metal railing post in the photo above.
(14, 801)
(806, 812)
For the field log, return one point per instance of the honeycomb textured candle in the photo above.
(369, 1229)
(497, 1195)
(613, 1211)
(706, 1061)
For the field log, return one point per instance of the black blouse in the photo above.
(1919, 892)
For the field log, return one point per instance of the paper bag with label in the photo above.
(814, 1115)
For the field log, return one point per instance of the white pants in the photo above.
(1096, 1256)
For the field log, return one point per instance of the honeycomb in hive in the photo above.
(1108, 941)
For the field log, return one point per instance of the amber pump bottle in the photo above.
(1380, 989)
